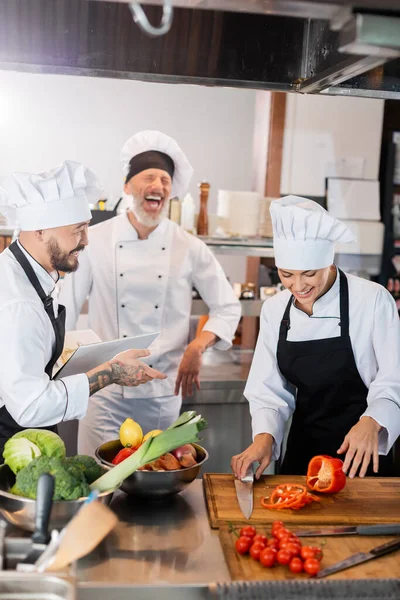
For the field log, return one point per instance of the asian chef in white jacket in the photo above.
(328, 354)
(138, 274)
(53, 213)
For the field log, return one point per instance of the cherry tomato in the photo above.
(307, 552)
(317, 552)
(277, 524)
(248, 531)
(296, 565)
(243, 544)
(293, 549)
(273, 543)
(268, 557)
(279, 534)
(312, 566)
(284, 557)
(260, 538)
(256, 550)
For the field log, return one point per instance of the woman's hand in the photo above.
(361, 445)
(259, 451)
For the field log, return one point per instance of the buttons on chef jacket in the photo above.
(156, 306)
(163, 248)
(159, 277)
(121, 246)
(122, 305)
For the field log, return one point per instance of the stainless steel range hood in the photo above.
(334, 47)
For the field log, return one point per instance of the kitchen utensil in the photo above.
(154, 485)
(21, 511)
(3, 527)
(387, 529)
(44, 503)
(88, 528)
(28, 586)
(361, 557)
(244, 492)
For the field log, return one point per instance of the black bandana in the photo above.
(152, 159)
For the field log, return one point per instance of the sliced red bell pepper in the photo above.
(122, 455)
(325, 474)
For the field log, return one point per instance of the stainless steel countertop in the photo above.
(225, 370)
(158, 543)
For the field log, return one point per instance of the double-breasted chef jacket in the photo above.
(140, 286)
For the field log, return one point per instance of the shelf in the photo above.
(250, 308)
(248, 246)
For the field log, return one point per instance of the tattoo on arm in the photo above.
(127, 375)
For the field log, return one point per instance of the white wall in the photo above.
(53, 117)
(323, 129)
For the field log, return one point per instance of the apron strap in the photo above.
(30, 273)
(285, 323)
(344, 304)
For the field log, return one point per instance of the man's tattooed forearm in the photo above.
(99, 379)
(116, 372)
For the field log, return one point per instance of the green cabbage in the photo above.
(28, 444)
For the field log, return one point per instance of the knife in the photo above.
(389, 529)
(244, 492)
(44, 503)
(361, 557)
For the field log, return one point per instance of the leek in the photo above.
(152, 449)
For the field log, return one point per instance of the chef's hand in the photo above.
(360, 445)
(128, 370)
(189, 369)
(259, 451)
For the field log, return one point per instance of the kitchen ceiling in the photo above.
(309, 46)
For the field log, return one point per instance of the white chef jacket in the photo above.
(375, 338)
(27, 340)
(139, 286)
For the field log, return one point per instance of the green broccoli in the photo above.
(70, 482)
(91, 469)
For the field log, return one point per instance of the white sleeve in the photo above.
(31, 398)
(75, 289)
(384, 392)
(271, 397)
(211, 282)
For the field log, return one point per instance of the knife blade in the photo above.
(361, 557)
(244, 492)
(387, 529)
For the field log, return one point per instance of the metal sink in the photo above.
(26, 586)
(142, 592)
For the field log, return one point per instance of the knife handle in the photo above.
(389, 529)
(44, 503)
(386, 548)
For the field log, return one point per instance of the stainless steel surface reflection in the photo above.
(159, 543)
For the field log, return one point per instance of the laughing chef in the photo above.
(328, 354)
(138, 274)
(52, 210)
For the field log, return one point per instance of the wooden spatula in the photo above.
(86, 530)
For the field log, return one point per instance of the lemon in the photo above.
(152, 434)
(130, 434)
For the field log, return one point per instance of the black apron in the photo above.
(8, 426)
(331, 396)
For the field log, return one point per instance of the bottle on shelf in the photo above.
(187, 213)
(202, 221)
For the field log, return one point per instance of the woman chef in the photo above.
(328, 353)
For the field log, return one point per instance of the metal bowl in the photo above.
(152, 485)
(21, 511)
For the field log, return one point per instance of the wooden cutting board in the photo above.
(244, 568)
(363, 501)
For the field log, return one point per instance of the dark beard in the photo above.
(61, 261)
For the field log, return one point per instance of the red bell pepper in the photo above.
(325, 474)
(122, 455)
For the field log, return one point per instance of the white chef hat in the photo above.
(54, 199)
(305, 234)
(148, 141)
